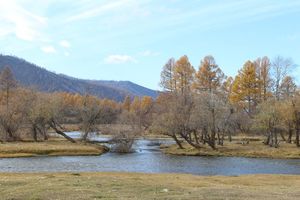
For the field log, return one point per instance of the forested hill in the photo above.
(130, 87)
(31, 75)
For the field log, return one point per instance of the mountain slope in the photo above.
(128, 86)
(29, 74)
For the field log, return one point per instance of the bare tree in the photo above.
(90, 112)
(269, 121)
(167, 81)
(10, 118)
(7, 83)
(280, 69)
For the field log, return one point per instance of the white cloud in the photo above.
(119, 59)
(19, 21)
(65, 44)
(48, 49)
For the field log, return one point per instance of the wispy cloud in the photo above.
(99, 10)
(223, 14)
(48, 49)
(65, 44)
(119, 59)
(19, 21)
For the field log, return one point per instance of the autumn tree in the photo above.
(288, 117)
(263, 67)
(9, 115)
(169, 117)
(245, 88)
(183, 74)
(7, 83)
(146, 111)
(126, 103)
(38, 115)
(287, 87)
(227, 87)
(296, 118)
(90, 112)
(55, 112)
(269, 120)
(209, 76)
(12, 119)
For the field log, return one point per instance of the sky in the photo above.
(133, 39)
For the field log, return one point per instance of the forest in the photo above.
(199, 107)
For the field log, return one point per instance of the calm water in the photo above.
(149, 159)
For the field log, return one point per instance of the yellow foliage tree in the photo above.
(183, 74)
(245, 88)
(126, 103)
(263, 67)
(209, 76)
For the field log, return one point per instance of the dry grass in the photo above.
(54, 147)
(147, 186)
(255, 149)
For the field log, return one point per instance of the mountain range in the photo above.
(31, 75)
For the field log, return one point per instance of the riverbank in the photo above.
(53, 147)
(255, 149)
(147, 186)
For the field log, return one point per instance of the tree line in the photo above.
(27, 113)
(205, 106)
(199, 107)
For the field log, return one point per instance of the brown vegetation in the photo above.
(205, 107)
(199, 107)
(53, 147)
(238, 148)
(147, 186)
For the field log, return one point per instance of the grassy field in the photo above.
(255, 149)
(147, 186)
(53, 147)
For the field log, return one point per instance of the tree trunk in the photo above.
(61, 133)
(177, 141)
(222, 139)
(34, 132)
(196, 138)
(85, 135)
(297, 137)
(289, 140)
(276, 144)
(282, 136)
(229, 136)
(267, 141)
(219, 138)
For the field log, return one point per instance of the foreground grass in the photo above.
(50, 148)
(147, 186)
(255, 149)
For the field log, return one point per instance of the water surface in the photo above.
(148, 159)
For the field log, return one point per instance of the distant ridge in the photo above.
(128, 86)
(31, 75)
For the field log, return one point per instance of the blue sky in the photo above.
(132, 39)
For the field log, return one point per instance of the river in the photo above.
(147, 158)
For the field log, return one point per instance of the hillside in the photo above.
(31, 75)
(128, 86)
